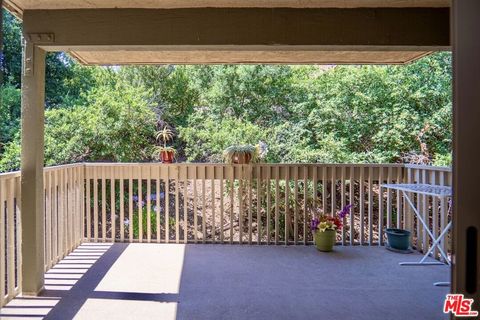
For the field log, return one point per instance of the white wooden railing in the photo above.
(204, 207)
(64, 211)
(64, 208)
(10, 236)
(213, 203)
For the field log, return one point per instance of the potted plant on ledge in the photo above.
(325, 228)
(240, 154)
(165, 153)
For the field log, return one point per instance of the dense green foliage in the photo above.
(302, 113)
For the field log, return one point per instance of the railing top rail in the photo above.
(63, 166)
(8, 175)
(13, 174)
(425, 167)
(375, 165)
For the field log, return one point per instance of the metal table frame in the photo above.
(431, 190)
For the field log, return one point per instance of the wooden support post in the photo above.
(466, 138)
(32, 205)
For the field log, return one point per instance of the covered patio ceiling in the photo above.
(244, 32)
(21, 5)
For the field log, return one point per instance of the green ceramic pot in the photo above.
(398, 238)
(325, 240)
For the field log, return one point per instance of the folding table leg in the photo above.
(442, 284)
(435, 243)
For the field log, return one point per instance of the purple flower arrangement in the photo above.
(325, 222)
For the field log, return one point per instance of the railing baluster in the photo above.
(351, 201)
(269, 203)
(221, 175)
(195, 205)
(149, 204)
(316, 203)
(140, 203)
(240, 204)
(211, 172)
(88, 205)
(121, 223)
(232, 198)
(389, 198)
(250, 201)
(408, 210)
(112, 205)
(167, 204)
(177, 209)
(82, 217)
(104, 205)
(74, 206)
(443, 214)
(11, 236)
(130, 203)
(78, 207)
(305, 200)
(55, 219)
(157, 202)
(324, 190)
(425, 212)
(60, 214)
(435, 219)
(259, 204)
(370, 206)
(185, 204)
(204, 205)
(18, 226)
(287, 204)
(95, 205)
(295, 212)
(333, 192)
(277, 203)
(380, 206)
(67, 210)
(399, 200)
(450, 183)
(343, 183)
(419, 232)
(362, 205)
(3, 223)
(48, 220)
(71, 210)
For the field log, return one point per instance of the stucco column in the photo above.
(32, 205)
(466, 136)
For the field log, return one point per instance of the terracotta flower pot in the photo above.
(167, 156)
(241, 158)
(324, 241)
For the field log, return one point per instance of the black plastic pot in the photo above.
(398, 238)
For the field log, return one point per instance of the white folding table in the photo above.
(430, 190)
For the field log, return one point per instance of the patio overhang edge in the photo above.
(178, 57)
(233, 35)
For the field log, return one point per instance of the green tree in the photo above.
(65, 80)
(117, 124)
(9, 113)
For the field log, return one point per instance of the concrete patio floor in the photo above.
(173, 281)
